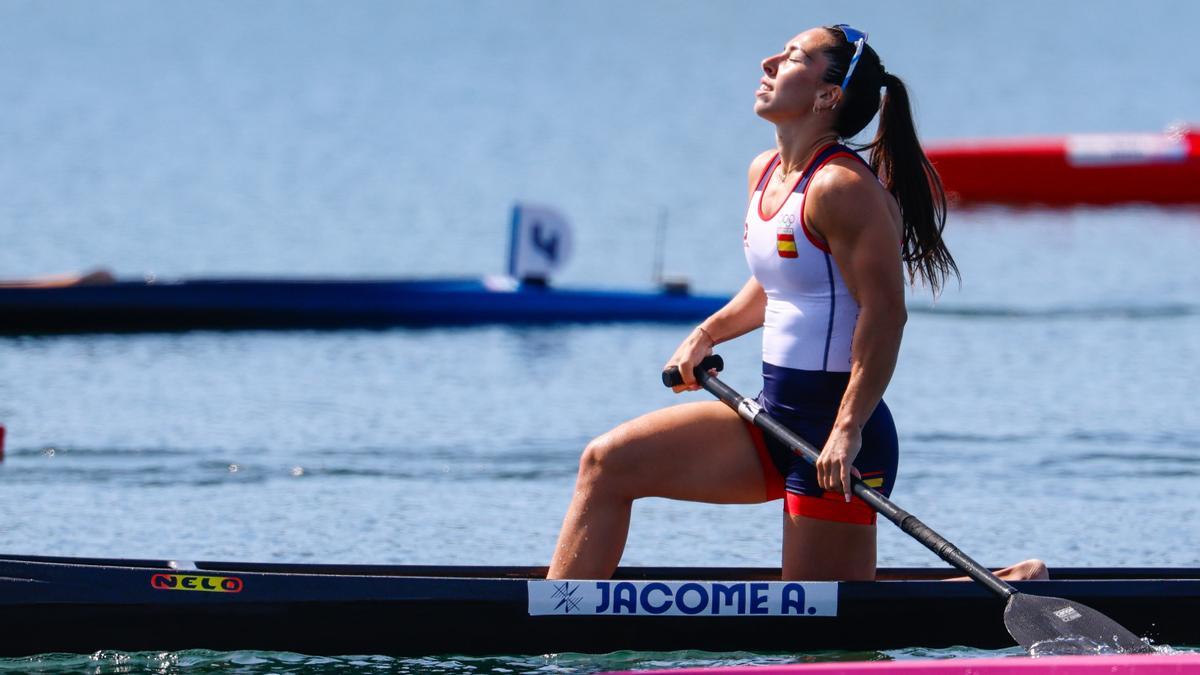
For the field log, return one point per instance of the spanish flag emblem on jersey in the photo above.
(785, 241)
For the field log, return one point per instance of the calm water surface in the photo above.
(1046, 406)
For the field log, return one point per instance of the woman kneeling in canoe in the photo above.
(828, 237)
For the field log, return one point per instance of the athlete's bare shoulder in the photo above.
(844, 178)
(846, 194)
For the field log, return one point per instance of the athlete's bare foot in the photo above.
(100, 275)
(1026, 570)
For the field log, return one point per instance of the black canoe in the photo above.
(84, 605)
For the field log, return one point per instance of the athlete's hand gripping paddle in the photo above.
(1053, 625)
(672, 378)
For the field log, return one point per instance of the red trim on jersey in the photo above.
(831, 506)
(812, 238)
(794, 185)
(760, 186)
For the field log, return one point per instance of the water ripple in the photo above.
(199, 468)
(256, 662)
(966, 437)
(1065, 313)
(57, 451)
(1179, 439)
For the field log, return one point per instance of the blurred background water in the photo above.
(1046, 406)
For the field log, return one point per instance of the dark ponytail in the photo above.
(896, 157)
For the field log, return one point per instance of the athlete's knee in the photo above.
(603, 460)
(596, 459)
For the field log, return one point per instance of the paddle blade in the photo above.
(1054, 626)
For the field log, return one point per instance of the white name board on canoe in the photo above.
(683, 598)
(540, 242)
(1125, 149)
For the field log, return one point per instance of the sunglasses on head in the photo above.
(859, 40)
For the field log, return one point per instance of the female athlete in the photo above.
(828, 237)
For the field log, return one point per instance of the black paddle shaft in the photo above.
(910, 524)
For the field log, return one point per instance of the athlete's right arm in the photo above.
(739, 316)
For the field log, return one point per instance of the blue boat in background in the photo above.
(234, 304)
(539, 245)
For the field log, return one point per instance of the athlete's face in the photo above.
(792, 81)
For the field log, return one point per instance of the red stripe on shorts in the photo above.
(772, 480)
(831, 506)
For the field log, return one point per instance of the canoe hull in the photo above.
(85, 606)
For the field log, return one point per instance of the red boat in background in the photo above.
(1077, 169)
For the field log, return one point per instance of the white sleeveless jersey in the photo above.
(810, 315)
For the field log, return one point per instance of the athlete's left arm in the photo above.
(860, 222)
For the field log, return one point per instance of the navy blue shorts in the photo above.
(806, 401)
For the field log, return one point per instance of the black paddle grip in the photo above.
(673, 378)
